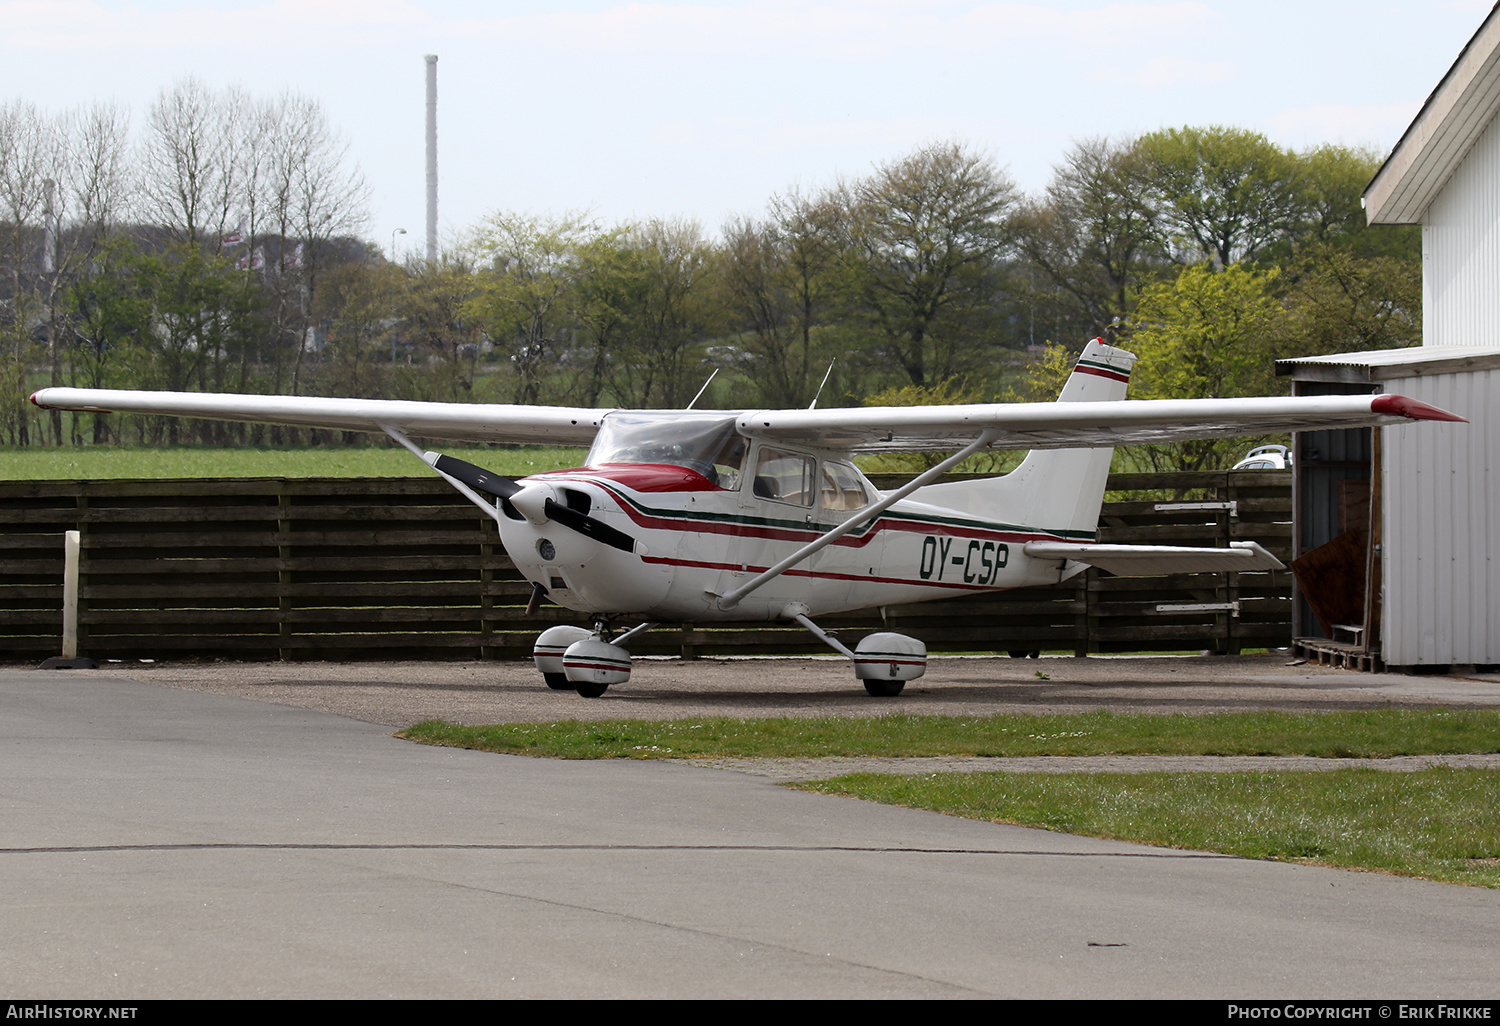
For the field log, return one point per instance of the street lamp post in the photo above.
(398, 231)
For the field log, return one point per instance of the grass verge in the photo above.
(1366, 734)
(1440, 824)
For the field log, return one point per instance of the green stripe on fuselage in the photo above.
(893, 514)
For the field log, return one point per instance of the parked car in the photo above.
(1266, 457)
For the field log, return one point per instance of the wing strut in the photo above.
(491, 509)
(732, 598)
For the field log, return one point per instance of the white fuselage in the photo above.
(695, 541)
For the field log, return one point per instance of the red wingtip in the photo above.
(33, 399)
(1401, 406)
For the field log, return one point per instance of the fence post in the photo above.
(283, 571)
(70, 595)
(81, 518)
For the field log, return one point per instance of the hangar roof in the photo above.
(1383, 364)
(1459, 109)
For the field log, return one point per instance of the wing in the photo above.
(867, 429)
(486, 422)
(1062, 425)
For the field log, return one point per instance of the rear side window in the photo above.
(842, 488)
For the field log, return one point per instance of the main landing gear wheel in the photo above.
(590, 690)
(558, 681)
(884, 688)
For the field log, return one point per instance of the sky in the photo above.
(705, 110)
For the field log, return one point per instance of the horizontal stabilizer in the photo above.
(1152, 560)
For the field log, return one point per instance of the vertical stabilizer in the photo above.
(1058, 490)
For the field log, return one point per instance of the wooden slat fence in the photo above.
(389, 568)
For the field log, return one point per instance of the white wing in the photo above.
(865, 429)
(488, 422)
(1063, 425)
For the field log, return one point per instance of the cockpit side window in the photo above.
(729, 462)
(784, 476)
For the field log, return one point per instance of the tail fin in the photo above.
(1056, 490)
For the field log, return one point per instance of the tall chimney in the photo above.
(432, 226)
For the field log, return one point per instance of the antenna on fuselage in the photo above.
(710, 381)
(814, 404)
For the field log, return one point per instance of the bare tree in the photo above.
(311, 194)
(193, 160)
(30, 151)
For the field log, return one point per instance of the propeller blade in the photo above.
(477, 478)
(588, 526)
(503, 488)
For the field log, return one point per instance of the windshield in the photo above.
(706, 442)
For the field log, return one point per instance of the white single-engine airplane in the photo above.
(705, 516)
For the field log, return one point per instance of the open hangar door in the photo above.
(1396, 531)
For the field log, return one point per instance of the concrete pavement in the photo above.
(160, 842)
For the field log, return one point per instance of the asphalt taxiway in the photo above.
(165, 842)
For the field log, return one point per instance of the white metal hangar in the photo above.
(1419, 510)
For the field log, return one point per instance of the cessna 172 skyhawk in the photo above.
(759, 515)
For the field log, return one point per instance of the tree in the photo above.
(782, 274)
(434, 306)
(1218, 194)
(612, 284)
(527, 289)
(112, 322)
(928, 231)
(1205, 335)
(192, 160)
(30, 156)
(356, 306)
(1092, 235)
(672, 309)
(1340, 302)
(310, 195)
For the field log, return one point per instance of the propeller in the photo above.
(588, 526)
(504, 489)
(477, 478)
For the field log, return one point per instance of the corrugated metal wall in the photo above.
(1461, 252)
(1441, 537)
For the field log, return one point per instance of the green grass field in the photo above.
(95, 463)
(1367, 734)
(1441, 824)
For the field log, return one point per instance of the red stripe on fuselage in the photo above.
(821, 575)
